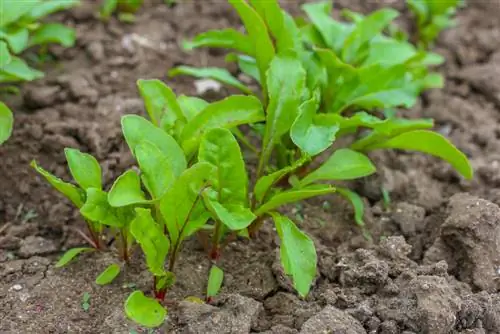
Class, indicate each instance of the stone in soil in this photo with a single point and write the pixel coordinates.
(332, 320)
(470, 241)
(235, 316)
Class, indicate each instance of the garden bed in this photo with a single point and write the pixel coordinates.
(435, 263)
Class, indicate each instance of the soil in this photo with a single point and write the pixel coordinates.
(434, 265)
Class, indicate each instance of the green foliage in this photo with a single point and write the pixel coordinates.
(312, 76)
(145, 311)
(215, 73)
(108, 275)
(297, 253)
(20, 29)
(70, 255)
(432, 17)
(214, 281)
(320, 82)
(123, 7)
(6, 120)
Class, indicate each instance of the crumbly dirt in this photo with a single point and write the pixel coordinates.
(434, 264)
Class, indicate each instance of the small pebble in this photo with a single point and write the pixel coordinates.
(17, 287)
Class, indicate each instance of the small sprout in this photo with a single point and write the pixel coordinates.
(386, 196)
(86, 301)
(29, 215)
(214, 282)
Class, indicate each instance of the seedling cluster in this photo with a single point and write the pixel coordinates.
(21, 27)
(319, 80)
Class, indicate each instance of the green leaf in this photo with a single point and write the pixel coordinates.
(6, 122)
(84, 168)
(137, 129)
(215, 279)
(431, 143)
(297, 254)
(154, 243)
(259, 36)
(5, 57)
(367, 87)
(286, 80)
(351, 124)
(156, 169)
(225, 38)
(234, 216)
(343, 164)
(246, 64)
(53, 33)
(161, 103)
(71, 254)
(45, 8)
(384, 130)
(389, 52)
(356, 202)
(16, 38)
(147, 312)
(230, 112)
(74, 194)
(310, 136)
(294, 195)
(108, 275)
(218, 74)
(18, 70)
(13, 10)
(191, 105)
(97, 209)
(281, 25)
(181, 207)
(368, 28)
(420, 9)
(265, 183)
(108, 8)
(219, 148)
(126, 190)
(333, 33)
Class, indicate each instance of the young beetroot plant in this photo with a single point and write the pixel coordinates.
(328, 79)
(21, 28)
(432, 17)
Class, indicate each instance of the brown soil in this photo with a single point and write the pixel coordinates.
(435, 263)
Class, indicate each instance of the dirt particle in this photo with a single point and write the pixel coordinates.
(33, 245)
(332, 320)
(95, 50)
(470, 237)
(409, 217)
(437, 304)
(36, 97)
(235, 315)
